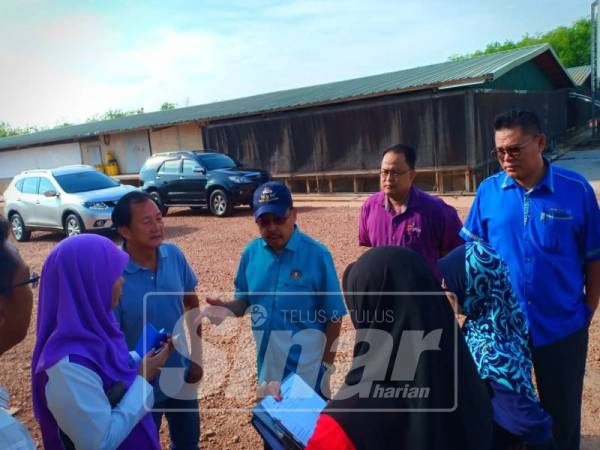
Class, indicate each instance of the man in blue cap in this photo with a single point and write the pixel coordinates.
(287, 281)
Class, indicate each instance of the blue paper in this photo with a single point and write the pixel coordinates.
(149, 339)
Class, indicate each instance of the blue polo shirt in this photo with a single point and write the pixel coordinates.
(174, 275)
(546, 235)
(292, 297)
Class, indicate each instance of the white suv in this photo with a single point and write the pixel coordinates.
(69, 198)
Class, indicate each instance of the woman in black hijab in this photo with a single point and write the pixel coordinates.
(413, 384)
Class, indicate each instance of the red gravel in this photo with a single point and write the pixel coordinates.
(213, 247)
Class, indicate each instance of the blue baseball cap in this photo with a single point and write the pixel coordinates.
(272, 198)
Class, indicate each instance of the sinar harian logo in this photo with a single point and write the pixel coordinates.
(258, 315)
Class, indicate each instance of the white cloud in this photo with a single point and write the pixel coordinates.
(72, 65)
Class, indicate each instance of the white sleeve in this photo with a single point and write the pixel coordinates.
(81, 409)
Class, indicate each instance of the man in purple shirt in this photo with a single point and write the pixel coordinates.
(405, 216)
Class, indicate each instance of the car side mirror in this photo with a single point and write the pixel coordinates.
(51, 194)
(201, 170)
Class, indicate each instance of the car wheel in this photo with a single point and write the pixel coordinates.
(18, 228)
(159, 202)
(219, 203)
(73, 225)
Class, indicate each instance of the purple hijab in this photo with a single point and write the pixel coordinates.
(75, 318)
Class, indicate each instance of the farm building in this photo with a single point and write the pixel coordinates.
(330, 137)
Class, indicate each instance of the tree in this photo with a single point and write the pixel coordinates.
(167, 106)
(6, 130)
(571, 44)
(114, 114)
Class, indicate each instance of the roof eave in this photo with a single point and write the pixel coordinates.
(535, 52)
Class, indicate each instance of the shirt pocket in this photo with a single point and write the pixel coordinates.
(557, 229)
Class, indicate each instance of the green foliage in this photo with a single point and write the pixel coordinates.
(114, 114)
(571, 44)
(6, 130)
(167, 106)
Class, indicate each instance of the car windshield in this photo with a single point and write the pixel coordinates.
(73, 183)
(212, 162)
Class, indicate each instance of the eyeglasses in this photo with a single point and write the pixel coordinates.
(384, 173)
(34, 279)
(264, 222)
(514, 151)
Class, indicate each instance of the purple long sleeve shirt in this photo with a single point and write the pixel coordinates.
(429, 226)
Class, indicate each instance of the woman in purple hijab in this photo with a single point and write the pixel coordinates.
(86, 391)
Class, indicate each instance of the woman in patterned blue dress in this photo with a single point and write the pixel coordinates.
(497, 335)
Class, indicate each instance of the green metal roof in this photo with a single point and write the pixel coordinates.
(580, 74)
(448, 74)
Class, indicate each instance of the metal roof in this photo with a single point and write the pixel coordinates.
(472, 71)
(580, 74)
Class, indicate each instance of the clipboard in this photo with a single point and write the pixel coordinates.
(273, 433)
(277, 422)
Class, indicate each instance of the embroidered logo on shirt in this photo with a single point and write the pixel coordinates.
(295, 275)
(412, 230)
(267, 195)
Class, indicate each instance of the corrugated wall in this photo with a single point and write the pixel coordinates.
(448, 129)
(347, 137)
(551, 108)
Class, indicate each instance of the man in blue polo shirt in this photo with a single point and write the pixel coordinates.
(545, 223)
(288, 282)
(156, 266)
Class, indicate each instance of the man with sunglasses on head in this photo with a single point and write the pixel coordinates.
(16, 301)
(288, 283)
(405, 216)
(545, 223)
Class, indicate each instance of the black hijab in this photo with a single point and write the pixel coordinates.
(391, 290)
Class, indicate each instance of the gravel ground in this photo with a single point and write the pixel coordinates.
(213, 247)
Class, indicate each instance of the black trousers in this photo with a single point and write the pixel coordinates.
(559, 370)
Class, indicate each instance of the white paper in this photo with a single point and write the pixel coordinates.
(299, 410)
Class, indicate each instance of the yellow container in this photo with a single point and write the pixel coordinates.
(111, 167)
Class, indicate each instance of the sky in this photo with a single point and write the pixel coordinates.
(68, 60)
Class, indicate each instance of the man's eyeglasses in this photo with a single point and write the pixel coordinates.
(514, 151)
(392, 173)
(264, 222)
(34, 279)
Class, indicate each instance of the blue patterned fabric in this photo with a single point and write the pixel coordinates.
(495, 329)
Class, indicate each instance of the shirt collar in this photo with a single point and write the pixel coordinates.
(546, 182)
(292, 243)
(413, 201)
(133, 267)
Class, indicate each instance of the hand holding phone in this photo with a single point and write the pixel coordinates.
(155, 360)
